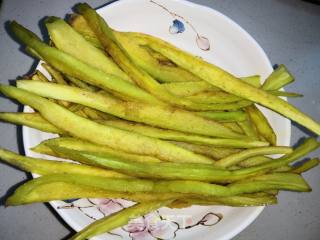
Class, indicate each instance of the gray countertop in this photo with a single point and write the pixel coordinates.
(288, 31)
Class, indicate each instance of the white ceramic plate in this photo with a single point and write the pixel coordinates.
(194, 28)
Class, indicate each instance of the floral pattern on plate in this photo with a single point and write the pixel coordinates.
(178, 27)
(152, 226)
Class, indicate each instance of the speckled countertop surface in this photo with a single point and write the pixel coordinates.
(288, 31)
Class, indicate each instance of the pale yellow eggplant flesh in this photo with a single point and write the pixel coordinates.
(68, 40)
(69, 65)
(212, 152)
(262, 125)
(120, 56)
(238, 157)
(48, 167)
(101, 134)
(80, 145)
(33, 120)
(229, 83)
(171, 135)
(248, 128)
(161, 116)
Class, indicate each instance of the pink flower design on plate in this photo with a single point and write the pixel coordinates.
(151, 226)
(148, 227)
(107, 206)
